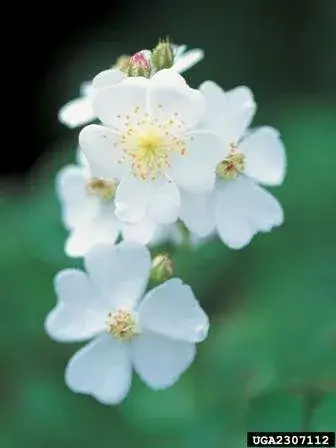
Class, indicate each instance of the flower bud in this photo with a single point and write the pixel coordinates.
(139, 65)
(162, 268)
(163, 55)
(122, 63)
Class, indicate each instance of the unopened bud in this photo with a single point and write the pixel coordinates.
(139, 65)
(122, 63)
(162, 268)
(163, 55)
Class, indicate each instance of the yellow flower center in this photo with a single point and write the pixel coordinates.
(122, 325)
(233, 165)
(148, 144)
(103, 189)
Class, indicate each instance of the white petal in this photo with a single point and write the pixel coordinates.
(196, 241)
(229, 113)
(172, 310)
(197, 213)
(195, 171)
(164, 203)
(77, 244)
(81, 160)
(101, 369)
(108, 78)
(185, 61)
(170, 98)
(80, 311)
(117, 105)
(265, 156)
(175, 234)
(99, 145)
(241, 109)
(71, 190)
(102, 228)
(77, 112)
(120, 272)
(244, 209)
(136, 198)
(132, 198)
(87, 89)
(160, 361)
(169, 78)
(141, 232)
(167, 233)
(178, 50)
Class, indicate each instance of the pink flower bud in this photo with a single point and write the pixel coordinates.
(139, 65)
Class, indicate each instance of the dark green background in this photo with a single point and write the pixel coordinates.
(269, 362)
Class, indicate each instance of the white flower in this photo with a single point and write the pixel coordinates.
(155, 335)
(79, 111)
(238, 207)
(88, 212)
(150, 142)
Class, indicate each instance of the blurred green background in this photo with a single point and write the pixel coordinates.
(269, 363)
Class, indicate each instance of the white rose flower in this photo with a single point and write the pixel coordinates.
(150, 141)
(155, 335)
(79, 111)
(88, 212)
(238, 207)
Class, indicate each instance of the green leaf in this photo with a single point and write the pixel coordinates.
(275, 411)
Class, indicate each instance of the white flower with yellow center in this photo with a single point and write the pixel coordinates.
(79, 111)
(238, 207)
(155, 335)
(151, 143)
(88, 212)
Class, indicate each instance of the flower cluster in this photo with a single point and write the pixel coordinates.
(166, 161)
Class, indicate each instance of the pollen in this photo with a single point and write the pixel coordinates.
(233, 165)
(103, 189)
(148, 144)
(122, 325)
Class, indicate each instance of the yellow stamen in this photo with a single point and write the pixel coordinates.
(122, 325)
(233, 165)
(148, 143)
(103, 189)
